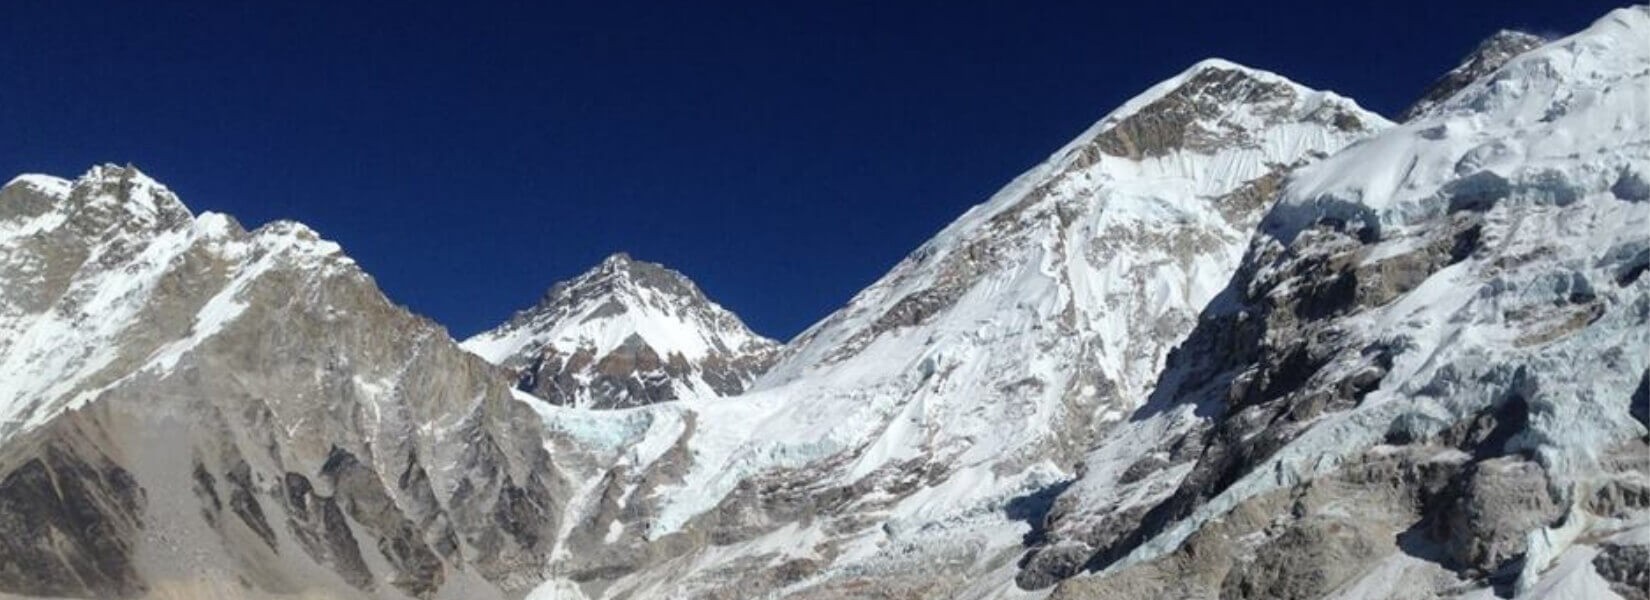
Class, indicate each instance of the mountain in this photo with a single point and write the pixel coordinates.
(194, 410)
(1489, 56)
(626, 333)
(1239, 339)
(1427, 377)
(881, 449)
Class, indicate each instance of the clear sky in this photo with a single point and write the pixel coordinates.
(782, 154)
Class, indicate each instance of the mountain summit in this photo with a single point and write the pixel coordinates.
(1490, 54)
(626, 333)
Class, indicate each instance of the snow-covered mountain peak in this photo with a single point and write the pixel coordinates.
(132, 193)
(1514, 131)
(112, 210)
(106, 202)
(618, 264)
(56, 187)
(234, 396)
(1213, 105)
(102, 269)
(629, 280)
(991, 356)
(1488, 56)
(1504, 43)
(616, 260)
(1499, 48)
(626, 332)
(1191, 159)
(1460, 296)
(1216, 76)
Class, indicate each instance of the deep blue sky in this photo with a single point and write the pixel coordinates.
(782, 154)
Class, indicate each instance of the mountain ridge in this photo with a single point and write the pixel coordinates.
(1240, 338)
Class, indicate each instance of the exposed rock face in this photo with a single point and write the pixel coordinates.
(1301, 541)
(69, 525)
(1397, 300)
(1499, 503)
(1490, 54)
(190, 405)
(627, 333)
(1193, 116)
(1627, 568)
